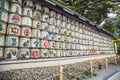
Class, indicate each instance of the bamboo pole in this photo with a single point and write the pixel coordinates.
(91, 67)
(106, 63)
(61, 73)
(116, 60)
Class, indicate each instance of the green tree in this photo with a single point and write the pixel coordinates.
(95, 10)
(110, 26)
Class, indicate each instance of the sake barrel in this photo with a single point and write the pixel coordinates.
(45, 17)
(72, 27)
(2, 28)
(2, 39)
(52, 36)
(69, 39)
(74, 46)
(59, 23)
(64, 31)
(64, 25)
(77, 46)
(3, 15)
(65, 53)
(68, 20)
(52, 28)
(58, 45)
(35, 53)
(69, 33)
(64, 45)
(36, 33)
(51, 44)
(67, 46)
(52, 14)
(44, 44)
(58, 53)
(45, 10)
(37, 24)
(59, 16)
(64, 18)
(74, 40)
(1, 53)
(75, 53)
(28, 3)
(45, 35)
(12, 41)
(52, 21)
(24, 42)
(13, 30)
(58, 37)
(79, 52)
(58, 30)
(45, 26)
(37, 7)
(26, 32)
(76, 23)
(24, 53)
(64, 38)
(70, 53)
(73, 22)
(4, 4)
(44, 53)
(77, 35)
(27, 11)
(73, 34)
(16, 8)
(37, 15)
(16, 1)
(52, 53)
(70, 46)
(26, 21)
(11, 53)
(15, 19)
(76, 29)
(68, 26)
(35, 43)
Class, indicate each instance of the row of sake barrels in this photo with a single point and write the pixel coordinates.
(17, 9)
(12, 41)
(22, 53)
(37, 43)
(26, 11)
(15, 30)
(37, 25)
(27, 22)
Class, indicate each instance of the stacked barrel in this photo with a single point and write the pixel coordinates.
(29, 30)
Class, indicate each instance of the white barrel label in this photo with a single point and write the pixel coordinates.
(24, 42)
(2, 27)
(11, 53)
(24, 53)
(13, 30)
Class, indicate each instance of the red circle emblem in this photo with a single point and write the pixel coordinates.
(45, 44)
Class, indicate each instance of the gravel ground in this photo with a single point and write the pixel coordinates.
(43, 73)
(105, 73)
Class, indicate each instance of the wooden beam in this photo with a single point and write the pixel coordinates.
(91, 67)
(61, 73)
(116, 60)
(106, 63)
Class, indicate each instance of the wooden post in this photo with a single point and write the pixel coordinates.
(116, 60)
(61, 73)
(91, 67)
(106, 63)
